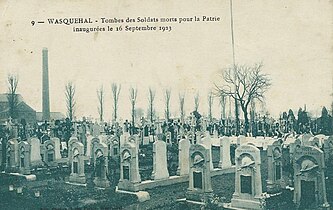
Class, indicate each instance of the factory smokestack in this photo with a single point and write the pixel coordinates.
(45, 96)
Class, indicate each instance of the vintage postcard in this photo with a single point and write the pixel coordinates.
(131, 104)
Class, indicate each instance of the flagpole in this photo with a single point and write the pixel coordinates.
(234, 66)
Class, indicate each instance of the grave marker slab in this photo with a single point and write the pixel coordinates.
(309, 178)
(24, 157)
(160, 167)
(76, 156)
(129, 167)
(248, 186)
(101, 165)
(183, 149)
(225, 161)
(274, 161)
(200, 188)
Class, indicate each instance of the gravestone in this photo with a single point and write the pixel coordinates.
(215, 134)
(57, 148)
(190, 137)
(88, 147)
(274, 161)
(49, 155)
(198, 137)
(129, 167)
(100, 151)
(24, 157)
(292, 147)
(241, 140)
(96, 130)
(145, 140)
(113, 147)
(225, 161)
(71, 141)
(124, 138)
(12, 155)
(328, 148)
(183, 150)
(309, 178)
(305, 138)
(248, 186)
(200, 188)
(76, 157)
(151, 138)
(160, 167)
(208, 143)
(36, 158)
(94, 141)
(134, 139)
(103, 138)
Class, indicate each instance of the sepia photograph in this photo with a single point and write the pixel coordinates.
(131, 104)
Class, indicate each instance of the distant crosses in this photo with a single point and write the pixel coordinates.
(151, 98)
(133, 97)
(182, 107)
(12, 95)
(196, 102)
(115, 88)
(70, 99)
(167, 98)
(100, 97)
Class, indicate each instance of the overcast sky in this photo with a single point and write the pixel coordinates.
(293, 39)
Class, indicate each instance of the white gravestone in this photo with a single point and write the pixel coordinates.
(36, 158)
(208, 143)
(225, 161)
(184, 149)
(160, 168)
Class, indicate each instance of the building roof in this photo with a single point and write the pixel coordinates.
(4, 97)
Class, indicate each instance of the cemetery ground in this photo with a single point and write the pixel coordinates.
(50, 190)
(55, 193)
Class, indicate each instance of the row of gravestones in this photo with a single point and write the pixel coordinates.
(129, 166)
(308, 163)
(309, 157)
(248, 191)
(21, 156)
(98, 149)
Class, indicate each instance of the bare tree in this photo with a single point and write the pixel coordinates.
(70, 99)
(210, 105)
(12, 96)
(244, 83)
(181, 106)
(100, 97)
(133, 96)
(167, 97)
(115, 95)
(151, 98)
(196, 102)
